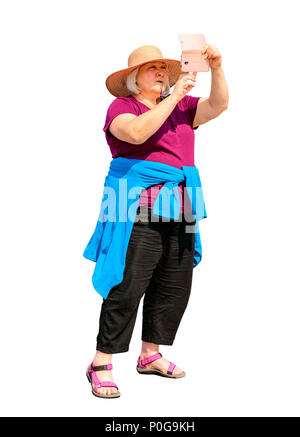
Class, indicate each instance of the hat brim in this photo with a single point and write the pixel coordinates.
(116, 82)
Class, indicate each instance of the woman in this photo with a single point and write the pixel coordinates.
(147, 123)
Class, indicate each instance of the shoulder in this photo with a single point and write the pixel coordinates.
(188, 103)
(120, 105)
(122, 102)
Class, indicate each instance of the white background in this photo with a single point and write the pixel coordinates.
(239, 338)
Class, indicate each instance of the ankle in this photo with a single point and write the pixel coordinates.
(102, 358)
(149, 349)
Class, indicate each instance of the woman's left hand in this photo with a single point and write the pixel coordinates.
(213, 56)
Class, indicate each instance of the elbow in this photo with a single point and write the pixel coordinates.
(133, 134)
(216, 110)
(224, 107)
(139, 133)
(136, 137)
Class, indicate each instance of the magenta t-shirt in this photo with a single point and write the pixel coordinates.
(172, 143)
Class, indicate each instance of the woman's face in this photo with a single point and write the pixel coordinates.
(151, 76)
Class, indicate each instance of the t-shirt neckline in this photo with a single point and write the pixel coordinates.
(140, 102)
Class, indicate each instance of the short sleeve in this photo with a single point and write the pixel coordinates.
(189, 106)
(121, 105)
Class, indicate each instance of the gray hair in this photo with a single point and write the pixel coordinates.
(132, 85)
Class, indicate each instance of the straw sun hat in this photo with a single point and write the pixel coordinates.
(116, 82)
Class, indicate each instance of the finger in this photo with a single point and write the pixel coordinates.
(189, 83)
(211, 54)
(190, 77)
(193, 75)
(187, 76)
(187, 89)
(214, 51)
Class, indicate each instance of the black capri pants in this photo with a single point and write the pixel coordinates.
(159, 266)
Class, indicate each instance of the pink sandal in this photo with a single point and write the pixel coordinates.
(141, 367)
(92, 378)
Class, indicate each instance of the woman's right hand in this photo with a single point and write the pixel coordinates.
(184, 84)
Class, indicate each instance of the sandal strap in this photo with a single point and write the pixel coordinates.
(171, 368)
(103, 367)
(98, 383)
(142, 363)
(108, 384)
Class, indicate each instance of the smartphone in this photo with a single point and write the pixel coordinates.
(191, 56)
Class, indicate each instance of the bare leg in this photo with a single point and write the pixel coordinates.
(104, 375)
(162, 364)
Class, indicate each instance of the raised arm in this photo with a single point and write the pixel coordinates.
(212, 106)
(137, 129)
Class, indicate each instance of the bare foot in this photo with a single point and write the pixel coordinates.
(103, 375)
(161, 364)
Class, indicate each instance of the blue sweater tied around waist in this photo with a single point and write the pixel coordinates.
(125, 181)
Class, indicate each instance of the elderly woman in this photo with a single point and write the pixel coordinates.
(148, 123)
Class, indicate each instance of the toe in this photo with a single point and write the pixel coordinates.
(101, 390)
(97, 390)
(177, 371)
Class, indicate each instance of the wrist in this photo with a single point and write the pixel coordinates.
(174, 98)
(217, 69)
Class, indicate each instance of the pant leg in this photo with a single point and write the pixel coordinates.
(169, 290)
(119, 309)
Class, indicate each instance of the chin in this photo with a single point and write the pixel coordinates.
(158, 89)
